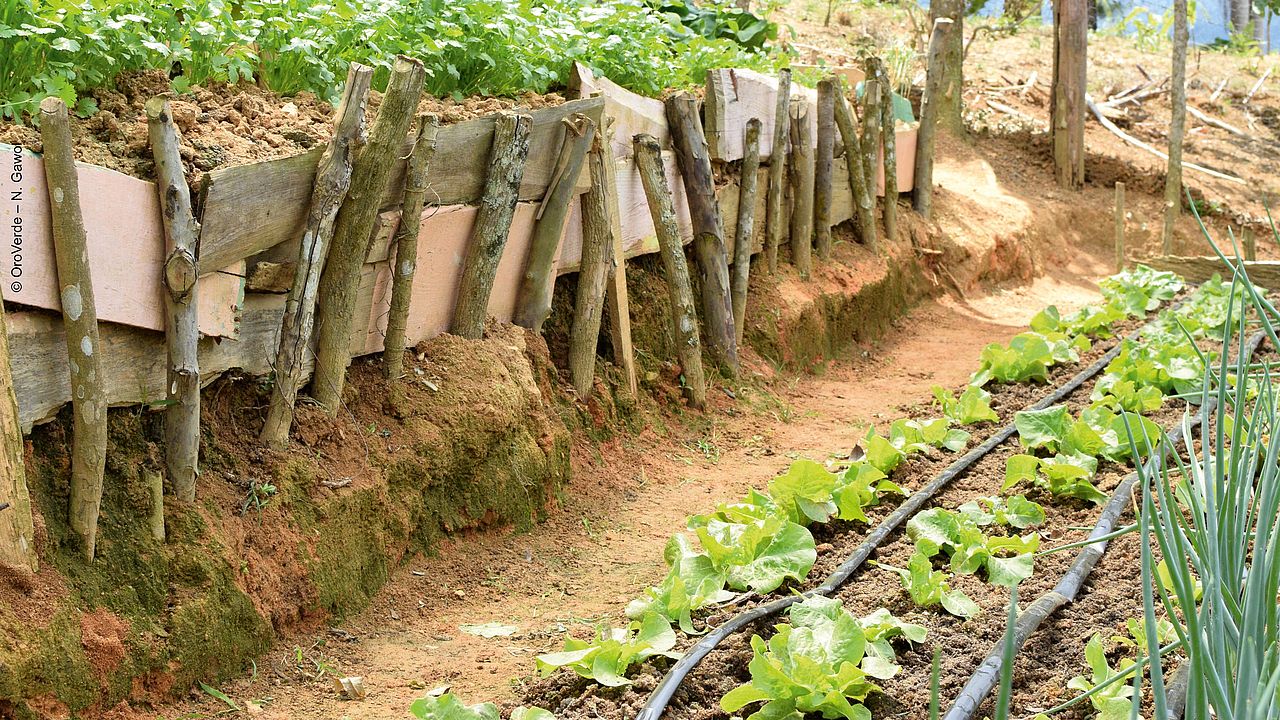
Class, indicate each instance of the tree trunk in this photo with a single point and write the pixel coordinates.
(744, 233)
(353, 231)
(823, 161)
(1241, 11)
(17, 530)
(684, 319)
(888, 130)
(950, 98)
(182, 333)
(926, 139)
(415, 199)
(871, 115)
(1067, 101)
(864, 206)
(694, 161)
(493, 223)
(80, 319)
(802, 171)
(333, 178)
(533, 303)
(593, 272)
(1177, 125)
(777, 170)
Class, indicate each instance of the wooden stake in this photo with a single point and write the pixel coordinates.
(415, 199)
(533, 302)
(1066, 102)
(744, 233)
(888, 132)
(708, 229)
(926, 138)
(823, 163)
(182, 333)
(353, 231)
(802, 181)
(871, 136)
(1250, 245)
(1119, 226)
(17, 530)
(155, 487)
(333, 178)
(617, 299)
(80, 319)
(493, 222)
(863, 205)
(1177, 126)
(684, 320)
(777, 170)
(593, 273)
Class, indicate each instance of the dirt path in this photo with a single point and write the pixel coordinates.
(604, 543)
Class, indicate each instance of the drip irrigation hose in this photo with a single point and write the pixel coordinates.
(661, 696)
(985, 678)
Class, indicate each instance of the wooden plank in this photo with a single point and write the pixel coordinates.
(126, 248)
(735, 96)
(850, 74)
(249, 208)
(1199, 269)
(632, 114)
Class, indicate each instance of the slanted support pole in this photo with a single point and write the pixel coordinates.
(17, 529)
(926, 140)
(333, 178)
(802, 182)
(824, 160)
(617, 298)
(871, 116)
(493, 223)
(863, 202)
(182, 333)
(684, 319)
(80, 320)
(415, 199)
(777, 170)
(593, 273)
(744, 233)
(1067, 100)
(888, 133)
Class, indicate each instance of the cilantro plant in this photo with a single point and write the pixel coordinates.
(607, 658)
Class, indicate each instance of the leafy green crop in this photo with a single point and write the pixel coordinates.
(972, 407)
(928, 587)
(1017, 511)
(447, 706)
(1088, 320)
(1028, 356)
(607, 658)
(1006, 560)
(1114, 702)
(1062, 475)
(1141, 289)
(758, 555)
(907, 437)
(821, 662)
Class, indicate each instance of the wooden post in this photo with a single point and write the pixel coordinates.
(744, 233)
(415, 199)
(922, 195)
(533, 301)
(777, 170)
(822, 166)
(493, 222)
(1067, 99)
(593, 272)
(353, 231)
(864, 206)
(155, 488)
(802, 181)
(1250, 244)
(684, 320)
(80, 319)
(694, 161)
(333, 178)
(888, 131)
(871, 134)
(1177, 126)
(617, 299)
(950, 91)
(1119, 226)
(182, 333)
(17, 529)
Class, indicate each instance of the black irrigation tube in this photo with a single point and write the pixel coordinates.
(661, 696)
(985, 678)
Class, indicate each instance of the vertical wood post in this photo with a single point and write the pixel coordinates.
(17, 529)
(533, 301)
(950, 91)
(353, 232)
(1250, 244)
(863, 204)
(617, 299)
(684, 320)
(802, 181)
(777, 170)
(926, 139)
(1177, 126)
(888, 131)
(415, 199)
(744, 233)
(1119, 226)
(822, 165)
(1067, 102)
(871, 116)
(333, 178)
(593, 273)
(493, 222)
(80, 320)
(694, 160)
(182, 333)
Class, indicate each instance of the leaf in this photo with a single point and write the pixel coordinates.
(1045, 428)
(804, 492)
(1019, 468)
(959, 604)
(216, 693)
(448, 707)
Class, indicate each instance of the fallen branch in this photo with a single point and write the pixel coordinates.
(1145, 146)
(1257, 85)
(1208, 120)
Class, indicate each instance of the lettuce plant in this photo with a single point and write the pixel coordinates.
(607, 658)
(1027, 357)
(1006, 560)
(928, 587)
(1141, 289)
(447, 706)
(972, 407)
(1114, 702)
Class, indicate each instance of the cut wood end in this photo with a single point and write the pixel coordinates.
(406, 63)
(156, 107)
(53, 106)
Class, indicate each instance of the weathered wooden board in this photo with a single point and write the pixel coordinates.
(126, 248)
(850, 74)
(133, 359)
(735, 96)
(632, 113)
(249, 208)
(1198, 269)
